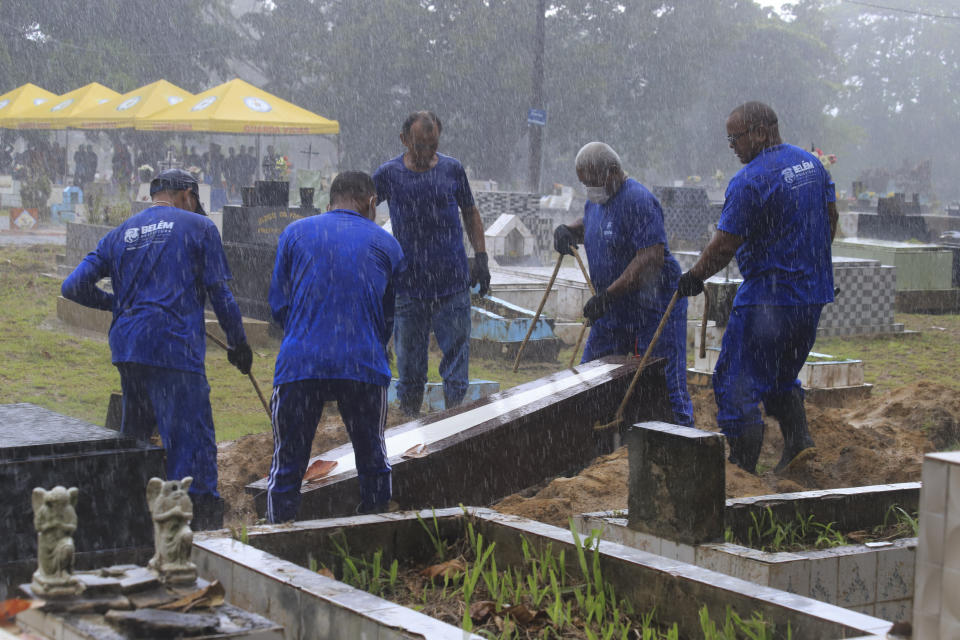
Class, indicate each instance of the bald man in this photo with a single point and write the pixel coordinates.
(778, 219)
(631, 268)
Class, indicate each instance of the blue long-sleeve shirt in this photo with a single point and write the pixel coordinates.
(162, 263)
(332, 290)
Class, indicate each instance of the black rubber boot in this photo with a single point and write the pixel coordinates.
(410, 407)
(207, 512)
(745, 448)
(388, 507)
(797, 443)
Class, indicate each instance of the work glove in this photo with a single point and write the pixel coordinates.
(689, 285)
(480, 273)
(241, 356)
(597, 306)
(564, 239)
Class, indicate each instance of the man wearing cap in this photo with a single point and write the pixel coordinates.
(779, 218)
(162, 263)
(428, 193)
(333, 293)
(632, 269)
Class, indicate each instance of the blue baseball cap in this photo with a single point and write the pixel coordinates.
(177, 180)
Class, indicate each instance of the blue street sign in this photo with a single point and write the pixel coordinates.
(537, 116)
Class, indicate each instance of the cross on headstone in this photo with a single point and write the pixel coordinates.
(310, 153)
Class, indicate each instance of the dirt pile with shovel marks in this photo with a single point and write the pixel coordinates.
(875, 441)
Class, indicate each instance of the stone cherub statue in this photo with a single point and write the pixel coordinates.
(172, 510)
(55, 519)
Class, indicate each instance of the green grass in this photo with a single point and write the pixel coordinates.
(74, 376)
(894, 362)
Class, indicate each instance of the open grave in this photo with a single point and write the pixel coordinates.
(482, 451)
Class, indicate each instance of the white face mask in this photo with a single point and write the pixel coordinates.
(597, 194)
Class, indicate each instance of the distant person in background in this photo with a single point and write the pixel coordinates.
(214, 166)
(246, 167)
(122, 166)
(332, 291)
(90, 167)
(80, 167)
(779, 218)
(428, 194)
(231, 166)
(58, 157)
(192, 159)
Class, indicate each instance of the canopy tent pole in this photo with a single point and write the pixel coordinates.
(66, 153)
(259, 177)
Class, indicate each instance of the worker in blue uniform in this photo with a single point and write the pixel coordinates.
(162, 263)
(779, 218)
(333, 293)
(428, 194)
(632, 271)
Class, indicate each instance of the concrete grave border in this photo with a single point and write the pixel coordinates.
(268, 576)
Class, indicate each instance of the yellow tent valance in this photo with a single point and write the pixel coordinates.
(238, 107)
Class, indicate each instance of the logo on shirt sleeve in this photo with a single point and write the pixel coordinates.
(131, 235)
(787, 175)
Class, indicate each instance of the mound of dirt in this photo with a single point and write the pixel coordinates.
(247, 459)
(878, 441)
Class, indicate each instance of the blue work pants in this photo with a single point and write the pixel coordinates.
(449, 317)
(763, 349)
(672, 346)
(178, 403)
(296, 409)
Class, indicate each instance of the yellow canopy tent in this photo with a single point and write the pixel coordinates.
(55, 116)
(121, 111)
(15, 102)
(238, 107)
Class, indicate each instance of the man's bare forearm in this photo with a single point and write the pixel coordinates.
(717, 254)
(474, 228)
(643, 269)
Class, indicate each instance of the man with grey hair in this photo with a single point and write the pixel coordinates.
(631, 268)
(779, 218)
(428, 195)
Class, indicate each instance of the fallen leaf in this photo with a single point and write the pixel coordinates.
(319, 469)
(210, 596)
(858, 536)
(10, 608)
(481, 610)
(521, 613)
(416, 451)
(444, 568)
(326, 572)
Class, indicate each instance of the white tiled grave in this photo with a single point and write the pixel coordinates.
(874, 579)
(936, 612)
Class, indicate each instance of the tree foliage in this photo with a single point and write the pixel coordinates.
(654, 78)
